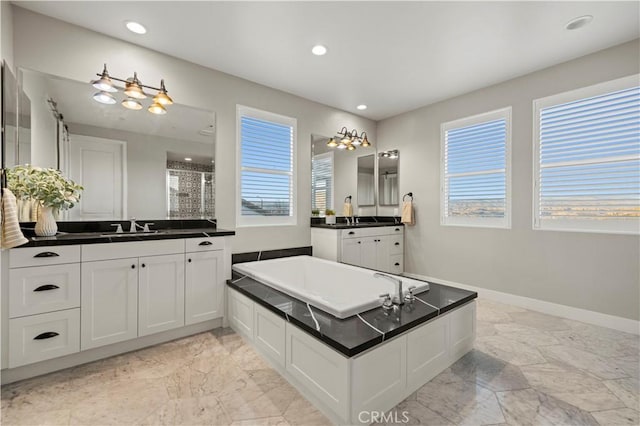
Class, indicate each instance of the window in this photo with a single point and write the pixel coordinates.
(476, 170)
(322, 181)
(266, 168)
(587, 159)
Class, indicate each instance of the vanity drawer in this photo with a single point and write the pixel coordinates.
(396, 244)
(204, 244)
(396, 264)
(107, 251)
(372, 231)
(45, 336)
(41, 289)
(41, 256)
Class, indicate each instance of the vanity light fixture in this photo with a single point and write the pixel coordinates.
(134, 91)
(349, 140)
(393, 155)
(188, 159)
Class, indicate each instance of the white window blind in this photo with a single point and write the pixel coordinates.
(322, 181)
(588, 159)
(266, 157)
(475, 170)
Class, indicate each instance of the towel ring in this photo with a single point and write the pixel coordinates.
(348, 197)
(409, 194)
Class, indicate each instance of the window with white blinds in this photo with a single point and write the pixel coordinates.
(266, 184)
(587, 159)
(322, 181)
(475, 170)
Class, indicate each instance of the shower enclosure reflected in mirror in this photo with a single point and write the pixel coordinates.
(388, 178)
(366, 181)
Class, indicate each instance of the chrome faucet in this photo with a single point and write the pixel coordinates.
(397, 299)
(132, 227)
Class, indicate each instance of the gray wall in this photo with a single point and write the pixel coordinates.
(54, 47)
(598, 272)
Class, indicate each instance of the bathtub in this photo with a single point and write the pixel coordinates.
(339, 289)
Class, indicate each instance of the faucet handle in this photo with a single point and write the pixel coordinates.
(146, 227)
(409, 297)
(387, 303)
(119, 228)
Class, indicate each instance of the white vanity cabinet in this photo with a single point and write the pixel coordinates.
(204, 278)
(380, 248)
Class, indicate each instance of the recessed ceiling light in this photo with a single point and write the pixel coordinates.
(319, 50)
(188, 159)
(136, 27)
(579, 22)
(361, 107)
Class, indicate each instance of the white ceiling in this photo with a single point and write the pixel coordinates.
(392, 56)
(74, 101)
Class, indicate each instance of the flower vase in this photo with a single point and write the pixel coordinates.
(330, 219)
(46, 225)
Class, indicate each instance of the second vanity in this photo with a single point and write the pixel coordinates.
(84, 296)
(374, 245)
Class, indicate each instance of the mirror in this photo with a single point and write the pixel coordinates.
(366, 181)
(131, 163)
(9, 117)
(388, 194)
(334, 176)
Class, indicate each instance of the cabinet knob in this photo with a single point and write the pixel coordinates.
(189, 260)
(359, 242)
(143, 265)
(133, 266)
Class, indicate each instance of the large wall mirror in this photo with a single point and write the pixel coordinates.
(132, 163)
(366, 181)
(388, 162)
(335, 175)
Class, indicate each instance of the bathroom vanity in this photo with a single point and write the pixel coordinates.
(373, 245)
(83, 296)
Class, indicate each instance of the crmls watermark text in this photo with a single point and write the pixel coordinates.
(381, 417)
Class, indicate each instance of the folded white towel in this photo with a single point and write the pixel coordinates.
(347, 210)
(11, 232)
(408, 218)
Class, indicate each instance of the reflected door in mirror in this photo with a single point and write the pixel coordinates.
(388, 192)
(366, 181)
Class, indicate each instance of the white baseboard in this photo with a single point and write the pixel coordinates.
(564, 311)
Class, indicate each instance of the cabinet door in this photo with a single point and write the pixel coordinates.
(383, 243)
(369, 257)
(109, 308)
(204, 286)
(351, 251)
(160, 293)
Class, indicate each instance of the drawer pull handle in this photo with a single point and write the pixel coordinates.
(397, 229)
(205, 243)
(46, 287)
(351, 232)
(46, 335)
(47, 254)
(397, 244)
(396, 264)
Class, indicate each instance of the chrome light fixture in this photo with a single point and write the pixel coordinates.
(134, 91)
(349, 140)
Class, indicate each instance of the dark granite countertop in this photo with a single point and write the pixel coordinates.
(96, 232)
(351, 336)
(357, 225)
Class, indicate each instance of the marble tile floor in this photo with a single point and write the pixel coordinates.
(527, 368)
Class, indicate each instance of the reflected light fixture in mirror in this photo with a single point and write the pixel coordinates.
(349, 140)
(134, 90)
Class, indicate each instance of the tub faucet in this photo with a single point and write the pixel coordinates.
(397, 299)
